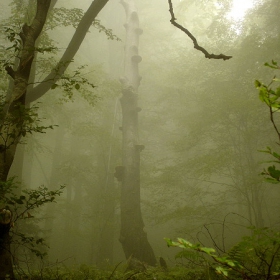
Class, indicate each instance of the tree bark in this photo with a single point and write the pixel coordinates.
(18, 95)
(10, 132)
(29, 35)
(6, 266)
(70, 52)
(132, 236)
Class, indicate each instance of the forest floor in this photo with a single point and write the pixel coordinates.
(85, 272)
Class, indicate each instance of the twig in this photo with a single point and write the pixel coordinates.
(213, 240)
(273, 122)
(115, 268)
(196, 45)
(271, 263)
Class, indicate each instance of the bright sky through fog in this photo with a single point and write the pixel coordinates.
(239, 9)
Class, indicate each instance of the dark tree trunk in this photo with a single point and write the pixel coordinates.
(17, 95)
(6, 266)
(14, 100)
(132, 236)
(21, 75)
(74, 45)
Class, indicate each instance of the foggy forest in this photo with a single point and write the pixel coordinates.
(139, 139)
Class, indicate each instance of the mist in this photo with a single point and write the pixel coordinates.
(141, 138)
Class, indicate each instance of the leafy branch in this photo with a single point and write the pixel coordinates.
(271, 174)
(255, 257)
(29, 200)
(66, 17)
(271, 97)
(19, 123)
(226, 264)
(70, 82)
(19, 207)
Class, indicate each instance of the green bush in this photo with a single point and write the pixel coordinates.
(255, 257)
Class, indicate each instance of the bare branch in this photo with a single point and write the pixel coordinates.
(196, 45)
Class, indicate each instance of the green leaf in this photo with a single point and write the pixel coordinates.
(276, 155)
(231, 263)
(208, 251)
(18, 201)
(271, 180)
(273, 65)
(169, 242)
(222, 270)
(273, 172)
(77, 86)
(184, 243)
(54, 86)
(257, 84)
(277, 92)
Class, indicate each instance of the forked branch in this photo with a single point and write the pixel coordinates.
(196, 45)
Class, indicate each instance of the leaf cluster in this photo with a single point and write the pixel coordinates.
(108, 32)
(11, 49)
(35, 245)
(267, 94)
(65, 17)
(21, 207)
(272, 174)
(12, 34)
(222, 264)
(75, 81)
(271, 97)
(72, 17)
(254, 257)
(28, 200)
(20, 122)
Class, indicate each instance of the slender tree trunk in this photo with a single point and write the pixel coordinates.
(132, 236)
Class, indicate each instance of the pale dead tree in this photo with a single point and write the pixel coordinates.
(132, 236)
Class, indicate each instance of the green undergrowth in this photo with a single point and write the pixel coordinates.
(84, 272)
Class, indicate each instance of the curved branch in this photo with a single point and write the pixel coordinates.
(70, 52)
(196, 45)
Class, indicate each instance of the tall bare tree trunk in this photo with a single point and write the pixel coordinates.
(132, 236)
